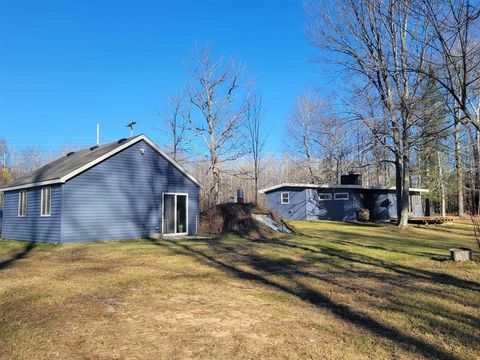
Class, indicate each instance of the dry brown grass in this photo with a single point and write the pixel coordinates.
(335, 291)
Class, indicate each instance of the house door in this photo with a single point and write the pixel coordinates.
(175, 214)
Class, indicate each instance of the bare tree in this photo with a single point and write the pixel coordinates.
(31, 158)
(175, 115)
(454, 43)
(375, 41)
(454, 46)
(6, 175)
(256, 138)
(3, 152)
(332, 138)
(219, 96)
(301, 130)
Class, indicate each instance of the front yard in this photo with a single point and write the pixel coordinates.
(336, 291)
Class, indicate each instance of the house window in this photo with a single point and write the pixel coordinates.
(325, 196)
(46, 201)
(341, 196)
(284, 197)
(22, 203)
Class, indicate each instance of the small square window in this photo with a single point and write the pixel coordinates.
(341, 196)
(285, 197)
(325, 196)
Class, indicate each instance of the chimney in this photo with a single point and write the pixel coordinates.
(239, 196)
(351, 179)
(98, 134)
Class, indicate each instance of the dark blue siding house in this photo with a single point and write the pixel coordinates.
(337, 202)
(122, 190)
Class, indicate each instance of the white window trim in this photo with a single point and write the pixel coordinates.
(342, 193)
(163, 214)
(288, 198)
(325, 194)
(41, 202)
(20, 205)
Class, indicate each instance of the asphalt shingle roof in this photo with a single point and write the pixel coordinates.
(68, 163)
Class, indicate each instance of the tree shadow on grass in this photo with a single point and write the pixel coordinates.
(18, 256)
(442, 278)
(381, 248)
(391, 239)
(261, 269)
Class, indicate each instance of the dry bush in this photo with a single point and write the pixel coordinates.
(230, 217)
(276, 217)
(363, 215)
(211, 221)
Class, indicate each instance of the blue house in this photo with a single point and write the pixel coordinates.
(337, 202)
(122, 190)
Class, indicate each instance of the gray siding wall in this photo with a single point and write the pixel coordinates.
(121, 198)
(295, 209)
(32, 227)
(342, 210)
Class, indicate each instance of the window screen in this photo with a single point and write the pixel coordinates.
(22, 203)
(46, 201)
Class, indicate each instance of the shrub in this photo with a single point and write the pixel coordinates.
(211, 221)
(363, 215)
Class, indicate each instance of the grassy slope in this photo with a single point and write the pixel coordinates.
(334, 291)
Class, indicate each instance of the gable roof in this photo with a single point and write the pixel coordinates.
(72, 164)
(330, 186)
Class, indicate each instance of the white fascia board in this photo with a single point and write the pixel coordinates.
(24, 186)
(339, 186)
(419, 190)
(274, 187)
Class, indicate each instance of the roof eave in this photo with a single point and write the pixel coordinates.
(328, 186)
(30, 185)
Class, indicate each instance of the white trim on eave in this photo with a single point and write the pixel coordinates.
(127, 144)
(337, 186)
(26, 186)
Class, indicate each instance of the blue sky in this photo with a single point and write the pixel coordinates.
(66, 65)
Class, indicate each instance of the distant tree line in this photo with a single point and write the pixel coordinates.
(15, 162)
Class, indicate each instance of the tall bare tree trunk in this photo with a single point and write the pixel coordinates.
(398, 185)
(256, 184)
(215, 189)
(477, 169)
(403, 222)
(306, 149)
(459, 169)
(442, 185)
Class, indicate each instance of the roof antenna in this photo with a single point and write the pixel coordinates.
(132, 126)
(98, 134)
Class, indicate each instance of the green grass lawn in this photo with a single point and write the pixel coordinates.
(333, 290)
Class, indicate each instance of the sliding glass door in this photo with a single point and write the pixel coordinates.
(175, 213)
